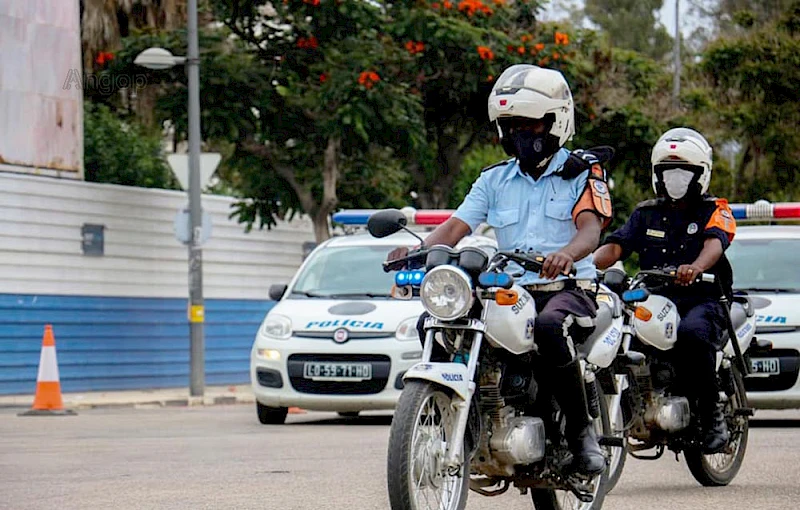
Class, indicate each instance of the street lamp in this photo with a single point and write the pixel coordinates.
(159, 59)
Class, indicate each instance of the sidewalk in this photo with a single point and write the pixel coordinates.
(213, 395)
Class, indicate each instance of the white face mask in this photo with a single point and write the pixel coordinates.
(677, 182)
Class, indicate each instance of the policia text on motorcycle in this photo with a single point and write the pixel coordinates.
(547, 199)
(687, 228)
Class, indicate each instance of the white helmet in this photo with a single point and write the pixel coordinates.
(526, 90)
(685, 149)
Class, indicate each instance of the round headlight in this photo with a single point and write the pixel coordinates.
(446, 293)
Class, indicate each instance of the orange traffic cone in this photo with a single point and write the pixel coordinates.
(48, 387)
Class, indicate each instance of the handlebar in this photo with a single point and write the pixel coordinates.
(671, 273)
(531, 261)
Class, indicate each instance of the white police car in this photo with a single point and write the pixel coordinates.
(765, 265)
(336, 340)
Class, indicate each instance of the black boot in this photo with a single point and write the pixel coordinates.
(568, 388)
(715, 430)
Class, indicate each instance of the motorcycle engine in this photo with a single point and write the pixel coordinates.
(669, 414)
(520, 441)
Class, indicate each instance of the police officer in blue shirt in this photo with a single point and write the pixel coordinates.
(549, 200)
(687, 228)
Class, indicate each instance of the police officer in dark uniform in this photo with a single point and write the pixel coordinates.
(687, 228)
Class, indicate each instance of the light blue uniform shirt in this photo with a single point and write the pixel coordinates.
(527, 213)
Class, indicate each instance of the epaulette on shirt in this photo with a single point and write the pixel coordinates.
(499, 163)
(653, 202)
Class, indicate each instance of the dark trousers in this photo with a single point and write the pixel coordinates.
(699, 339)
(564, 319)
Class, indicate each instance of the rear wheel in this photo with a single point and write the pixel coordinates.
(422, 429)
(721, 468)
(550, 499)
(271, 415)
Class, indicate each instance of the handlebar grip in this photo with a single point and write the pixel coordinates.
(394, 265)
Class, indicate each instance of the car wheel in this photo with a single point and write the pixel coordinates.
(271, 415)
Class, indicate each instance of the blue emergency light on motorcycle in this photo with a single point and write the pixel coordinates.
(501, 280)
(402, 278)
(635, 295)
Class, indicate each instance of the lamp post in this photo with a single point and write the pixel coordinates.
(159, 58)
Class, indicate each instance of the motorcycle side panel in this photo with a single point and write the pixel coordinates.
(744, 335)
(449, 375)
(661, 329)
(605, 348)
(511, 326)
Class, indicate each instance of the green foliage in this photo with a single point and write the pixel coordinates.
(631, 24)
(122, 152)
(479, 158)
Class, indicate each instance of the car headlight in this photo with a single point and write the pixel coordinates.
(446, 293)
(277, 326)
(407, 330)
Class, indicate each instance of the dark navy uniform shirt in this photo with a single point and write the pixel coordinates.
(664, 235)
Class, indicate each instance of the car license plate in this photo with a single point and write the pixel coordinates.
(333, 371)
(767, 366)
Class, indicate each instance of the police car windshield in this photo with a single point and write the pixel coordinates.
(769, 265)
(346, 272)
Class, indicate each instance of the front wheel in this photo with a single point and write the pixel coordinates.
(271, 415)
(720, 469)
(422, 428)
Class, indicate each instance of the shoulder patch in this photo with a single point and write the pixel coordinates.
(596, 197)
(722, 218)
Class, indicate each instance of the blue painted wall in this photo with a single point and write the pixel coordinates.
(106, 343)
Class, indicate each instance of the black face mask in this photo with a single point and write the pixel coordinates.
(533, 149)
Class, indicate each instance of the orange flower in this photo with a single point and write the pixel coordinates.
(473, 6)
(561, 38)
(490, 78)
(510, 48)
(435, 5)
(539, 46)
(104, 57)
(556, 56)
(526, 38)
(312, 2)
(415, 47)
(448, 5)
(310, 43)
(485, 53)
(323, 78)
(521, 50)
(544, 61)
(368, 79)
(499, 2)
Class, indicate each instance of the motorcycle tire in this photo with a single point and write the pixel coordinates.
(618, 455)
(550, 499)
(403, 459)
(703, 467)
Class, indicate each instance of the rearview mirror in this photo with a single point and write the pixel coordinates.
(276, 291)
(386, 222)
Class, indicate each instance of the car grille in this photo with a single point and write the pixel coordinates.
(352, 335)
(789, 360)
(381, 366)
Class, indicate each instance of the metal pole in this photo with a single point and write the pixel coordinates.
(196, 307)
(676, 80)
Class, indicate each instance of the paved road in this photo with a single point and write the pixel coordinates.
(221, 458)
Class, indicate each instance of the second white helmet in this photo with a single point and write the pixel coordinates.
(682, 149)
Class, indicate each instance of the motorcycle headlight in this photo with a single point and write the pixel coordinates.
(446, 293)
(277, 326)
(407, 330)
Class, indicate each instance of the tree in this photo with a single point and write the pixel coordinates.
(122, 152)
(631, 24)
(753, 93)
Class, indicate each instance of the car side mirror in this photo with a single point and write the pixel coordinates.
(277, 291)
(386, 222)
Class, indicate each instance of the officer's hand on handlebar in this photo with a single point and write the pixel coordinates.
(397, 253)
(688, 274)
(558, 263)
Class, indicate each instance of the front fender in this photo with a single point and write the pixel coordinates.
(449, 375)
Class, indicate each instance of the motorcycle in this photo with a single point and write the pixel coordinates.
(642, 387)
(485, 420)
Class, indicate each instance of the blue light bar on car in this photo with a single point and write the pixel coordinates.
(766, 210)
(414, 216)
(408, 278)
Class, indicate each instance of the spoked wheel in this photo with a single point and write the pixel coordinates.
(617, 455)
(550, 499)
(422, 428)
(720, 469)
